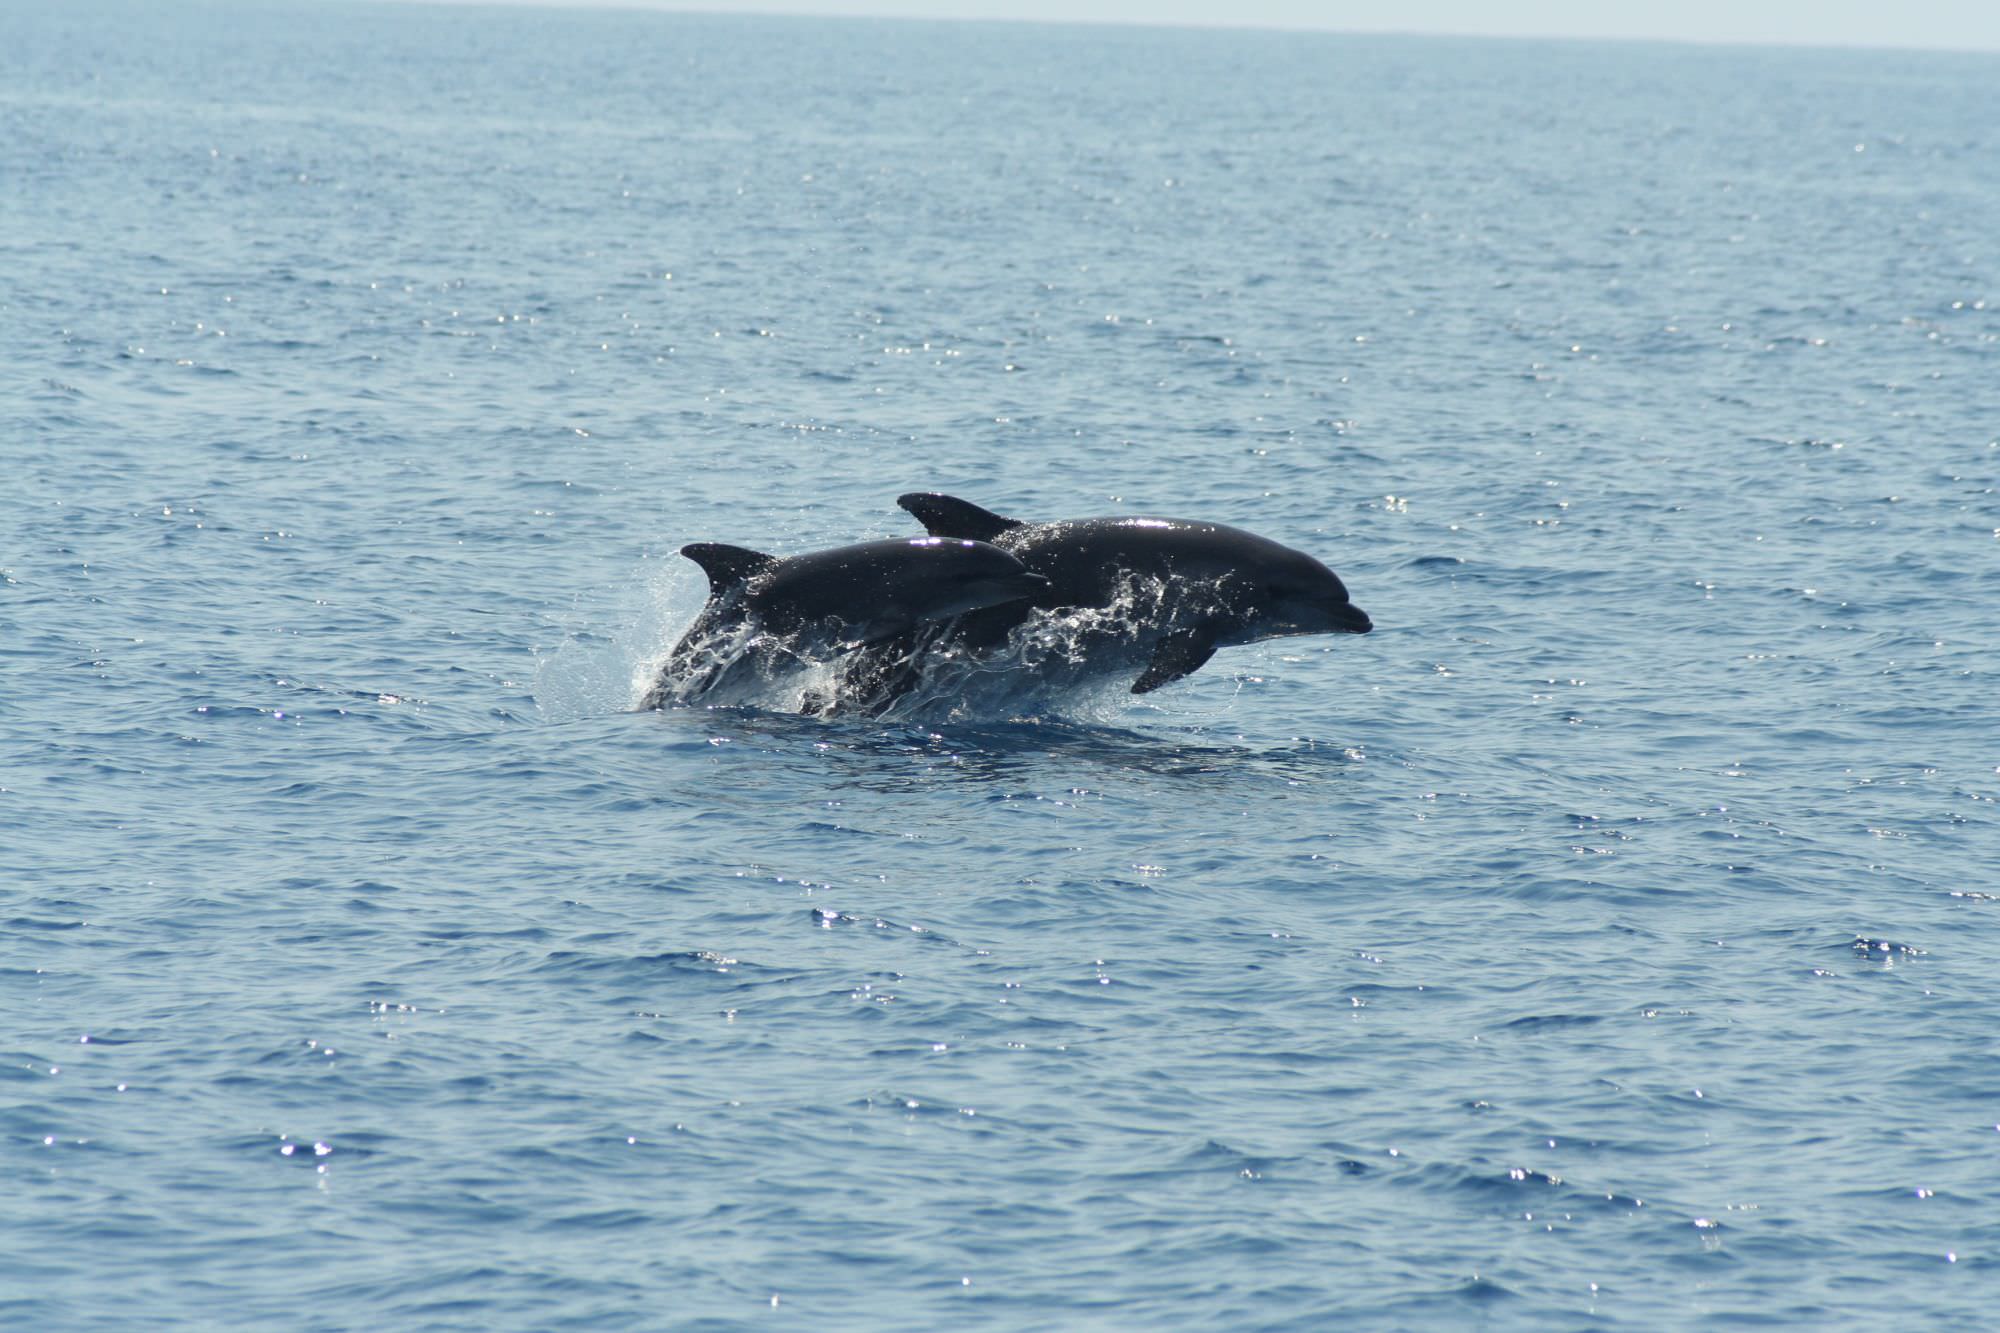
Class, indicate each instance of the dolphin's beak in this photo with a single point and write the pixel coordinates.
(1022, 585)
(1318, 615)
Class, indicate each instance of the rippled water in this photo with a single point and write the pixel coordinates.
(1608, 940)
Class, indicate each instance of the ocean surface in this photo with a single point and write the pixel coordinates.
(1609, 940)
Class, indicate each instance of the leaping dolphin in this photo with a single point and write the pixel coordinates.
(1176, 589)
(767, 616)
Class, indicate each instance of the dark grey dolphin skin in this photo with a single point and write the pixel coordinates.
(765, 615)
(1200, 586)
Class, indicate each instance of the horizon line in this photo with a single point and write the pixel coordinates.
(865, 13)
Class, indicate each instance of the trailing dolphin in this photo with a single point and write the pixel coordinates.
(768, 618)
(1158, 595)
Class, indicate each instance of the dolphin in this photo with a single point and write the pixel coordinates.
(1161, 594)
(767, 616)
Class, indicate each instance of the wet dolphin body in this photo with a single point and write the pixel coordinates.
(1175, 589)
(766, 617)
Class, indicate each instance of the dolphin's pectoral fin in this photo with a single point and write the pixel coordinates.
(949, 516)
(726, 565)
(1181, 653)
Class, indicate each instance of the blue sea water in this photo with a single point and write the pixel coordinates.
(1610, 940)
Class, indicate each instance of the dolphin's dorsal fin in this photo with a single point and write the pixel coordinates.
(1181, 653)
(726, 565)
(949, 516)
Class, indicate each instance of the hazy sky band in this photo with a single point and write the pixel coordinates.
(1941, 24)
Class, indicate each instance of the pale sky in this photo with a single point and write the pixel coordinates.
(1945, 24)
